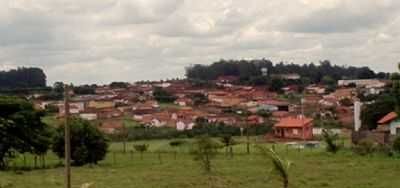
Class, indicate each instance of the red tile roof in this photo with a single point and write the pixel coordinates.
(291, 122)
(274, 102)
(280, 113)
(388, 118)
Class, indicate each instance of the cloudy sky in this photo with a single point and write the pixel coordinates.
(98, 41)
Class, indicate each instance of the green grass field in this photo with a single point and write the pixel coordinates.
(312, 168)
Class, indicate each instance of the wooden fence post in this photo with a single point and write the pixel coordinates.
(159, 157)
(24, 161)
(35, 161)
(114, 158)
(131, 154)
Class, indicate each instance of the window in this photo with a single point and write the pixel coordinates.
(295, 132)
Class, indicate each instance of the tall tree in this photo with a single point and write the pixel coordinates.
(88, 144)
(21, 129)
(22, 78)
(249, 71)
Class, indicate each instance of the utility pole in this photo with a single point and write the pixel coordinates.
(67, 139)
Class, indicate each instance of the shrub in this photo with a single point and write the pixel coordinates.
(177, 143)
(396, 145)
(365, 147)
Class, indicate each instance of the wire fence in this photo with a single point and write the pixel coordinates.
(130, 157)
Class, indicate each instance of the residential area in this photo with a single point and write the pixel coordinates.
(289, 112)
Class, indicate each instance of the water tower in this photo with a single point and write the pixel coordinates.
(264, 71)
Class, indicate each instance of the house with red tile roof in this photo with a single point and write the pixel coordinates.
(279, 114)
(294, 128)
(390, 123)
(255, 120)
(279, 105)
(111, 126)
(183, 101)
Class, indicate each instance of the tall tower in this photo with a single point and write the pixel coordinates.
(357, 115)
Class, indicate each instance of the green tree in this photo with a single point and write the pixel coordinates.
(373, 112)
(88, 144)
(22, 78)
(280, 166)
(204, 150)
(21, 129)
(328, 80)
(276, 85)
(119, 84)
(163, 96)
(346, 102)
(199, 99)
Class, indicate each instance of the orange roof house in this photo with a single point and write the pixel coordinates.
(111, 126)
(294, 128)
(389, 117)
(390, 123)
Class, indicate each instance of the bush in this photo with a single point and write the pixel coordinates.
(365, 147)
(396, 145)
(88, 144)
(177, 143)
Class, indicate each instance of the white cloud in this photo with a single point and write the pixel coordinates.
(96, 41)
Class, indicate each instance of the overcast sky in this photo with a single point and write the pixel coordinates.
(99, 41)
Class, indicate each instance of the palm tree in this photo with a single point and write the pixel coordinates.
(280, 166)
(330, 139)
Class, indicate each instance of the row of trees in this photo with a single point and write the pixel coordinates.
(250, 71)
(22, 78)
(22, 131)
(213, 129)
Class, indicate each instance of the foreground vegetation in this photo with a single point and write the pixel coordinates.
(161, 168)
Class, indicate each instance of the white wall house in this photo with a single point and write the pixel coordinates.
(181, 125)
(88, 116)
(390, 123)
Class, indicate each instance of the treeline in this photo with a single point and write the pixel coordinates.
(22, 78)
(250, 71)
(215, 130)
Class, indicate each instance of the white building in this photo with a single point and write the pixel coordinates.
(367, 83)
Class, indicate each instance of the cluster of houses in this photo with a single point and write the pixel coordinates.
(231, 104)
